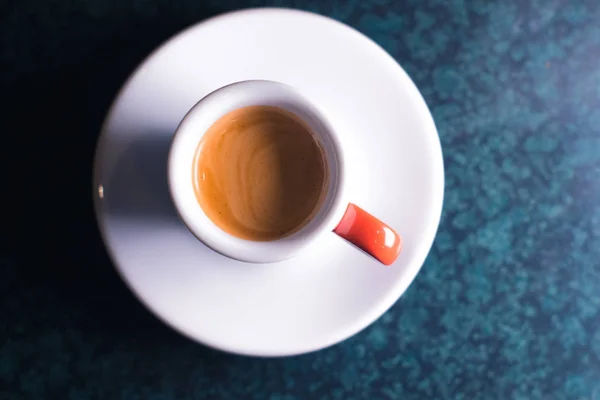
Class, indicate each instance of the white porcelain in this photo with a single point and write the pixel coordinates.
(321, 296)
(190, 132)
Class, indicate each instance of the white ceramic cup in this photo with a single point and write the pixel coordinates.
(335, 212)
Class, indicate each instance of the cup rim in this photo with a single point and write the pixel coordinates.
(193, 127)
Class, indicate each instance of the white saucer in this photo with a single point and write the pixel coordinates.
(325, 295)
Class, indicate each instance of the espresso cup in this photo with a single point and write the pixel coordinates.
(336, 214)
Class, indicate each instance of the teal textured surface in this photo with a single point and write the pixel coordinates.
(507, 305)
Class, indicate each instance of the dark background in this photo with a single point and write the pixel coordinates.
(507, 304)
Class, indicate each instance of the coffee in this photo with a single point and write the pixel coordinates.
(259, 174)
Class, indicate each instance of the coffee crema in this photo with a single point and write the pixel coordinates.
(259, 174)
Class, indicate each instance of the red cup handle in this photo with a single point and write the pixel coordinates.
(369, 234)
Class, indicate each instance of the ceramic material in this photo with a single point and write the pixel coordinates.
(320, 297)
(360, 228)
(181, 158)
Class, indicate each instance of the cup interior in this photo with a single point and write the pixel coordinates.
(181, 164)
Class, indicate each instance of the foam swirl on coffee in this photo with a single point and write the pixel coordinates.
(259, 174)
